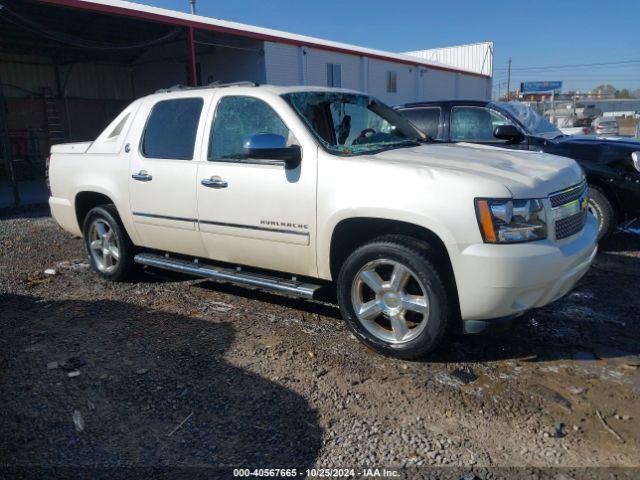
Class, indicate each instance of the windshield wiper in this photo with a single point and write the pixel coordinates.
(403, 144)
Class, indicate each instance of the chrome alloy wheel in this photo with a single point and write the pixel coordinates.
(103, 246)
(390, 301)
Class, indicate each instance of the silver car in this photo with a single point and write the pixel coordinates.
(605, 126)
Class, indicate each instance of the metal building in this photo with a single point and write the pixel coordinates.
(68, 66)
(474, 57)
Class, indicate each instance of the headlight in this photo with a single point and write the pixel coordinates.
(511, 221)
(635, 156)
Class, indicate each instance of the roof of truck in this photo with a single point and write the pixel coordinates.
(277, 89)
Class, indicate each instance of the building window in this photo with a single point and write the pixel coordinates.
(334, 75)
(392, 81)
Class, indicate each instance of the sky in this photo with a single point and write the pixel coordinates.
(537, 33)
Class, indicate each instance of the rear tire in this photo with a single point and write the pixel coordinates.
(392, 297)
(110, 249)
(601, 208)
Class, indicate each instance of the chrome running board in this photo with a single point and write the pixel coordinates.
(239, 277)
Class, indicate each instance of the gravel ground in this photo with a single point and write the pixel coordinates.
(170, 371)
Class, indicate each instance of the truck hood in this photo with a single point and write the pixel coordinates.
(525, 173)
(612, 141)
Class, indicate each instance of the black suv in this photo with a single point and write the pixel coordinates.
(612, 166)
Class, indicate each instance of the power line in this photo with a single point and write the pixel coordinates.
(589, 75)
(509, 80)
(575, 65)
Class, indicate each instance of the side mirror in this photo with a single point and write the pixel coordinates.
(509, 133)
(268, 146)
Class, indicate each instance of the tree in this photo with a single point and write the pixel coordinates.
(605, 91)
(624, 93)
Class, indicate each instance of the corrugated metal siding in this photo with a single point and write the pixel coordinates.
(476, 57)
(232, 65)
(438, 85)
(98, 81)
(282, 64)
(150, 77)
(213, 24)
(407, 88)
(473, 88)
(26, 75)
(287, 65)
(317, 61)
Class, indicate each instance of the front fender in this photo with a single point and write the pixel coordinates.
(324, 240)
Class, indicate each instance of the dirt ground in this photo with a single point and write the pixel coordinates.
(170, 371)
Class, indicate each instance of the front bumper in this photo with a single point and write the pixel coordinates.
(496, 281)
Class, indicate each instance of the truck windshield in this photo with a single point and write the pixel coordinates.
(353, 124)
(532, 121)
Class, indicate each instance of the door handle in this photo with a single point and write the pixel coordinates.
(214, 182)
(142, 176)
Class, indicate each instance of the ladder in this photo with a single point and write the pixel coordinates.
(54, 128)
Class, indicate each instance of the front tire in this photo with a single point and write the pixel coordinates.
(110, 249)
(392, 297)
(601, 208)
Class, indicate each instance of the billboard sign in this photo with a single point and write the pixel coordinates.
(540, 87)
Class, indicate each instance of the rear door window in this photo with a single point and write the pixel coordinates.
(171, 129)
(427, 119)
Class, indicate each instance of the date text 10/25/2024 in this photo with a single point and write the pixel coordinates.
(317, 473)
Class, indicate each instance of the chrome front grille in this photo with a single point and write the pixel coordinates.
(569, 210)
(565, 227)
(569, 195)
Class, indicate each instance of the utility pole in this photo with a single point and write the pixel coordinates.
(509, 81)
(193, 6)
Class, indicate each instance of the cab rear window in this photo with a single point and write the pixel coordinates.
(171, 129)
(427, 119)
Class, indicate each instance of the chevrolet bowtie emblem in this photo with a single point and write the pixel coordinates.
(583, 203)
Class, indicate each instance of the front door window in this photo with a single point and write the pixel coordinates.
(475, 124)
(237, 119)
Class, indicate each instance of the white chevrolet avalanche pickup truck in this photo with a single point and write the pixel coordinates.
(293, 188)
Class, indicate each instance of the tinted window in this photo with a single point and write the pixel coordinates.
(171, 129)
(426, 119)
(475, 124)
(238, 118)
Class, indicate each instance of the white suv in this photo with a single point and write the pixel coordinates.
(291, 188)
